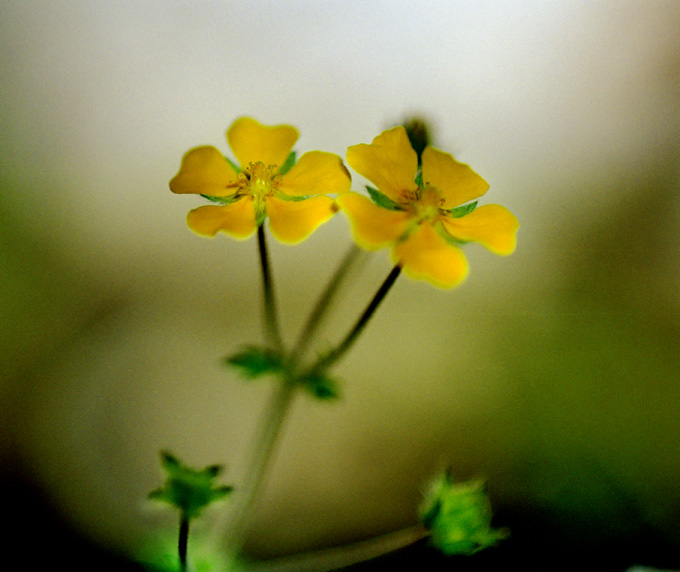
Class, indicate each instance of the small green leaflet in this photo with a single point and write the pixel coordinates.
(382, 200)
(320, 386)
(254, 362)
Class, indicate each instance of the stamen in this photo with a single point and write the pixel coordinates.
(259, 180)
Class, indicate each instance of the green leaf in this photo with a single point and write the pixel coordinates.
(288, 163)
(320, 386)
(382, 200)
(187, 489)
(458, 516)
(463, 210)
(254, 362)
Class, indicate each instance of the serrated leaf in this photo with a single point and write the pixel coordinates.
(288, 163)
(382, 200)
(462, 210)
(254, 362)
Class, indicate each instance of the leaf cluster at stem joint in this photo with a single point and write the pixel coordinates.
(254, 362)
(189, 490)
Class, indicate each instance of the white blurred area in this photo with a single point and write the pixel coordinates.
(116, 314)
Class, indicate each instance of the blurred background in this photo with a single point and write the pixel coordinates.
(553, 373)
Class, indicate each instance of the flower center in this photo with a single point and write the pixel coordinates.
(427, 204)
(258, 180)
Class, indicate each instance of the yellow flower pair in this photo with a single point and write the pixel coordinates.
(422, 215)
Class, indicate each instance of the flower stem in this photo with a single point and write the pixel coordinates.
(323, 304)
(271, 318)
(183, 541)
(341, 349)
(344, 556)
(232, 532)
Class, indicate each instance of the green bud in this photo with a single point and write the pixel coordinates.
(418, 134)
(458, 516)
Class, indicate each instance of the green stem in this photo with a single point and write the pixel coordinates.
(232, 531)
(344, 556)
(183, 541)
(271, 319)
(341, 349)
(324, 303)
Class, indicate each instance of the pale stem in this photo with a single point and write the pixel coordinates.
(343, 556)
(324, 303)
(233, 530)
(341, 349)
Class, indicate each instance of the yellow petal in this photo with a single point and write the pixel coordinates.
(293, 221)
(390, 162)
(236, 219)
(457, 182)
(316, 173)
(425, 255)
(252, 142)
(204, 171)
(373, 226)
(493, 226)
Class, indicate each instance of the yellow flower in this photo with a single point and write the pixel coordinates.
(265, 186)
(423, 216)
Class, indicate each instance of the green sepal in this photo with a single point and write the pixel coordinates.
(294, 198)
(260, 216)
(223, 200)
(233, 165)
(288, 163)
(451, 239)
(462, 210)
(187, 489)
(419, 178)
(254, 362)
(320, 386)
(458, 516)
(382, 200)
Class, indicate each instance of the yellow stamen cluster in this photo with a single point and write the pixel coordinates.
(426, 207)
(258, 180)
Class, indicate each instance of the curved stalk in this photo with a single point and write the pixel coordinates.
(324, 303)
(230, 530)
(343, 556)
(341, 349)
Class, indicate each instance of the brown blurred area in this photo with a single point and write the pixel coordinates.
(553, 373)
